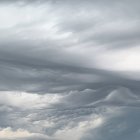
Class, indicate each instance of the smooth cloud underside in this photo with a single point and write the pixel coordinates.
(69, 69)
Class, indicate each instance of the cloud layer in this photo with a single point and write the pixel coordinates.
(69, 69)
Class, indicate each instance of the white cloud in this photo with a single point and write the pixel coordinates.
(25, 100)
(8, 133)
(77, 132)
(120, 60)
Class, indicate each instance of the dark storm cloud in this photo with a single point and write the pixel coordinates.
(69, 69)
(124, 126)
(40, 71)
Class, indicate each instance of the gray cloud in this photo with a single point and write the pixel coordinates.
(69, 69)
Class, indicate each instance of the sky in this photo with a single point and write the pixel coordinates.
(69, 69)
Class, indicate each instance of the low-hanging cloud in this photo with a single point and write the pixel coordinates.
(69, 69)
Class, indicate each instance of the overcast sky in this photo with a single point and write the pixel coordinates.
(69, 69)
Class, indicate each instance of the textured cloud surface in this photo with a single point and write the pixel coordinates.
(69, 70)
